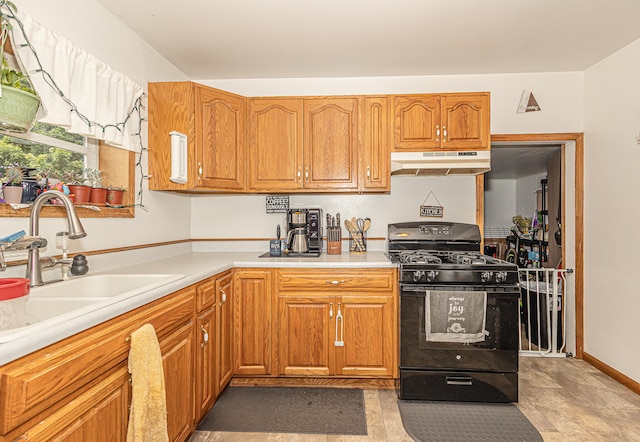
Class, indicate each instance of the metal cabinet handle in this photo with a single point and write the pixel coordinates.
(224, 297)
(437, 132)
(334, 282)
(369, 173)
(339, 327)
(299, 173)
(199, 170)
(205, 338)
(444, 134)
(306, 174)
(330, 311)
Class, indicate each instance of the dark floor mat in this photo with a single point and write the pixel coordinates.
(466, 421)
(288, 410)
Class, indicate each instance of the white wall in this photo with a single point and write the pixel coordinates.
(612, 210)
(93, 28)
(499, 202)
(525, 194)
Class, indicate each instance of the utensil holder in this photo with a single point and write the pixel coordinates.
(357, 242)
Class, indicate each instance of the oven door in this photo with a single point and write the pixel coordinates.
(497, 353)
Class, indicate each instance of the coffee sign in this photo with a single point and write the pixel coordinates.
(277, 203)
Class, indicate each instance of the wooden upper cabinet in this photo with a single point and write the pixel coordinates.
(466, 121)
(447, 121)
(417, 121)
(303, 144)
(275, 144)
(220, 139)
(213, 121)
(375, 143)
(331, 143)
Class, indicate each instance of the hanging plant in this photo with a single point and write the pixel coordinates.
(19, 102)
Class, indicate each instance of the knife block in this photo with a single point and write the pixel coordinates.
(334, 247)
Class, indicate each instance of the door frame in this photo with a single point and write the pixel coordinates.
(560, 138)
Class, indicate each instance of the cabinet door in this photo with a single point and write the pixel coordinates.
(219, 139)
(170, 109)
(275, 144)
(375, 140)
(305, 341)
(177, 354)
(368, 333)
(465, 121)
(205, 362)
(417, 122)
(252, 322)
(330, 143)
(224, 336)
(100, 415)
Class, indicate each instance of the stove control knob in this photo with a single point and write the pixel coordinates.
(486, 276)
(431, 276)
(501, 276)
(418, 275)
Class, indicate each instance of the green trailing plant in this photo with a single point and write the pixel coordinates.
(9, 75)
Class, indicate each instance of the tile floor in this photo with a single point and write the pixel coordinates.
(565, 398)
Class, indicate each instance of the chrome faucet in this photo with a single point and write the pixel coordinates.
(76, 231)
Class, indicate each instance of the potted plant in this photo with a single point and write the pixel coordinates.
(98, 195)
(79, 191)
(115, 194)
(19, 102)
(12, 184)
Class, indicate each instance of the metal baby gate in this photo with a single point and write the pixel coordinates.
(542, 312)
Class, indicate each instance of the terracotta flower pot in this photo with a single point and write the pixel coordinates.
(80, 193)
(98, 196)
(114, 197)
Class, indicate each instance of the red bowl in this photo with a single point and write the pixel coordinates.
(11, 288)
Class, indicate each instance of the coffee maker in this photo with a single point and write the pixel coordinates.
(304, 227)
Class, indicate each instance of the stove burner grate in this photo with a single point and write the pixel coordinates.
(419, 257)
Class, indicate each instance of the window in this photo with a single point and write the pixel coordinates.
(56, 154)
(50, 150)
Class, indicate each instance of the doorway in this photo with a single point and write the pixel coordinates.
(571, 209)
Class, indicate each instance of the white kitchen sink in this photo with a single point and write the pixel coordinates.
(104, 286)
(64, 301)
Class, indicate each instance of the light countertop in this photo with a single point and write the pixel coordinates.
(194, 266)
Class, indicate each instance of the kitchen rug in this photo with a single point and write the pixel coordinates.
(288, 410)
(427, 421)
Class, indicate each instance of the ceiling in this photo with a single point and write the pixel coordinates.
(516, 161)
(237, 39)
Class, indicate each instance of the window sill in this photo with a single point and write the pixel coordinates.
(6, 211)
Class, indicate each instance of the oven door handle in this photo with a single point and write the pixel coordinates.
(460, 380)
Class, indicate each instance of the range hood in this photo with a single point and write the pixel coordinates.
(441, 163)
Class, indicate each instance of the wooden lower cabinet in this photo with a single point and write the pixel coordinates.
(224, 332)
(350, 336)
(100, 414)
(253, 322)
(336, 322)
(177, 356)
(205, 363)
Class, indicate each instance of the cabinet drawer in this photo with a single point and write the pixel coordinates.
(49, 378)
(336, 279)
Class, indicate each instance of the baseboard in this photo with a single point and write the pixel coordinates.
(612, 373)
(376, 384)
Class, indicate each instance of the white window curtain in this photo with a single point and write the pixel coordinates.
(100, 93)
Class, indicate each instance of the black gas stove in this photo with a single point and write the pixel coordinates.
(458, 315)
